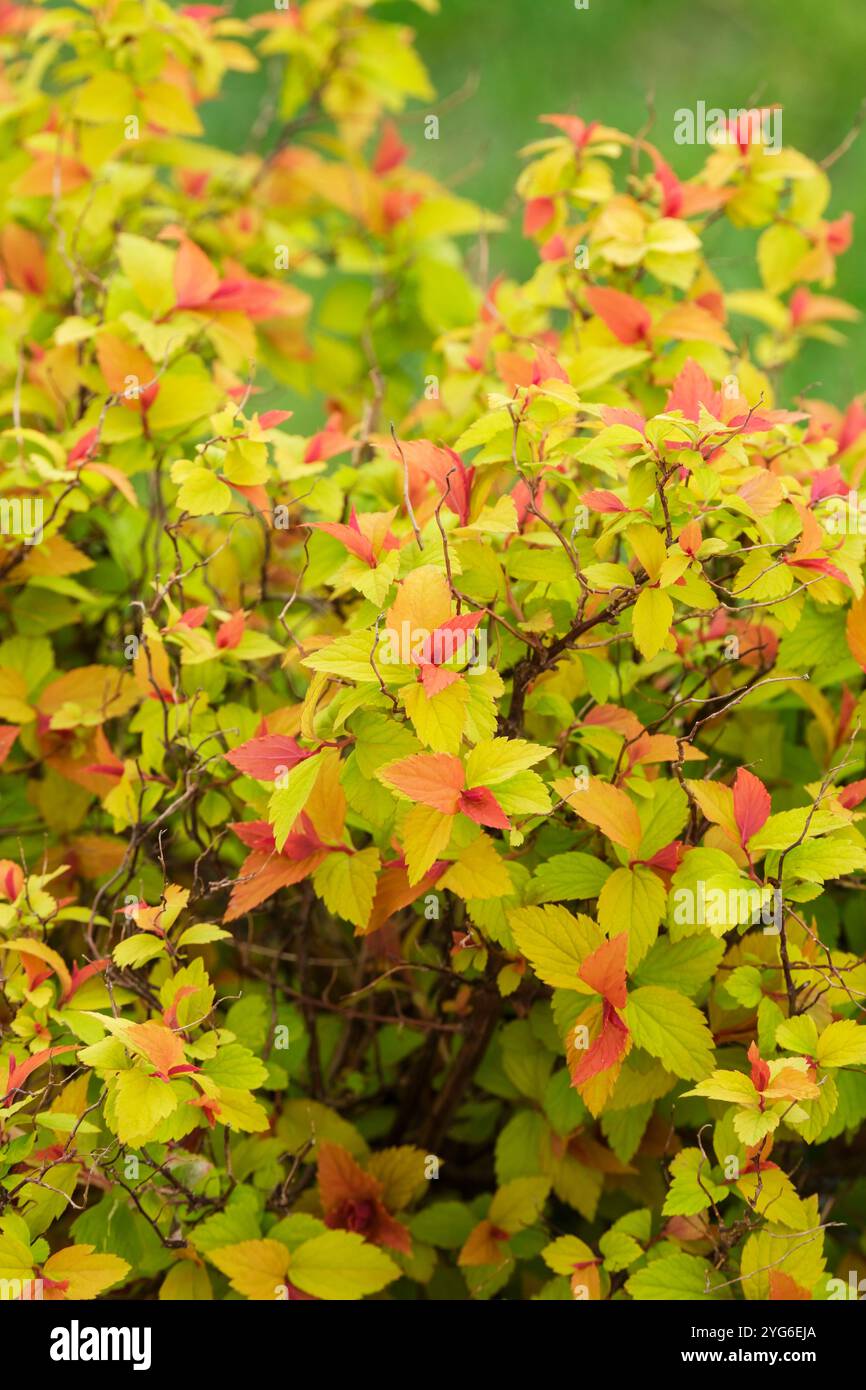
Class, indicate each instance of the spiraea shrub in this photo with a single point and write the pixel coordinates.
(432, 851)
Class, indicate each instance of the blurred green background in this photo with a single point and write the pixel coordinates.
(514, 60)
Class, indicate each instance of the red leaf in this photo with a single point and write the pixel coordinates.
(693, 389)
(537, 213)
(607, 1049)
(760, 1069)
(231, 631)
(350, 537)
(271, 418)
(853, 794)
(19, 1071)
(83, 447)
(80, 977)
(600, 500)
(437, 678)
(391, 152)
(446, 641)
(263, 757)
(256, 834)
(751, 803)
(627, 318)
(193, 617)
(480, 805)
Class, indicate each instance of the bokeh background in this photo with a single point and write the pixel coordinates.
(499, 64)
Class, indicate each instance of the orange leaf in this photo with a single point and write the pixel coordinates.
(751, 803)
(628, 319)
(604, 970)
(434, 779)
(607, 807)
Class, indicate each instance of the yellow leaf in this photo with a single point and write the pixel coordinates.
(341, 1265)
(256, 1268)
(425, 833)
(607, 807)
(843, 1044)
(26, 946)
(556, 943)
(87, 1271)
(649, 547)
(186, 1282)
(346, 883)
(438, 720)
(401, 1171)
(653, 615)
(140, 1104)
(423, 602)
(519, 1203)
(478, 872)
(87, 696)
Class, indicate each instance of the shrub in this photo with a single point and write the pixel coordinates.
(431, 842)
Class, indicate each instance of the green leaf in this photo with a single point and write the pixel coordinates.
(346, 883)
(569, 877)
(287, 802)
(669, 1026)
(341, 1265)
(681, 965)
(672, 1278)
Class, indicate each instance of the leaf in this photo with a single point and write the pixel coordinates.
(519, 1203)
(26, 946)
(651, 621)
(842, 1044)
(266, 757)
(141, 1102)
(494, 760)
(681, 965)
(478, 872)
(340, 1265)
(255, 1268)
(855, 631)
(672, 1278)
(201, 934)
(607, 807)
(792, 1253)
(751, 803)
(556, 943)
(633, 902)
(426, 834)
(86, 1272)
(346, 883)
(288, 801)
(236, 1066)
(16, 1261)
(138, 949)
(692, 1190)
(438, 720)
(604, 970)
(565, 877)
(434, 779)
(186, 1282)
(670, 1027)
